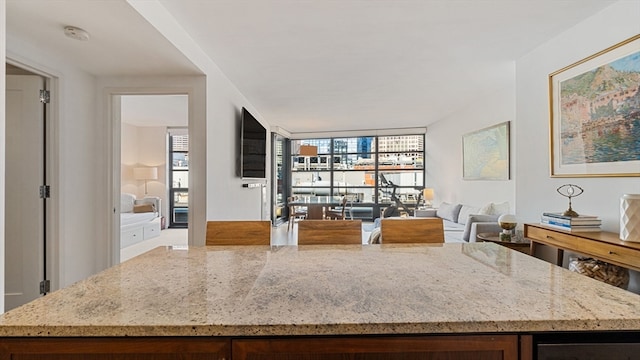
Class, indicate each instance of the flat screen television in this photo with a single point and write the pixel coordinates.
(253, 153)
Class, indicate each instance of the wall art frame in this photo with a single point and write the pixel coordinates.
(594, 123)
(485, 153)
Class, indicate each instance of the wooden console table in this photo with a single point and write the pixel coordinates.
(602, 245)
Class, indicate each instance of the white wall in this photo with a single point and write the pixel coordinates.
(226, 198)
(3, 12)
(79, 172)
(444, 149)
(144, 146)
(535, 189)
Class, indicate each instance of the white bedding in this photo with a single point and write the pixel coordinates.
(127, 219)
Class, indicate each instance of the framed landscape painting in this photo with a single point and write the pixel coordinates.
(485, 153)
(595, 114)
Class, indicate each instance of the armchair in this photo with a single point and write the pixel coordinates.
(477, 224)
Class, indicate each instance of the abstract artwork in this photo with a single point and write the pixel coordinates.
(595, 114)
(485, 153)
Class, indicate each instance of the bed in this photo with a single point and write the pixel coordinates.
(139, 219)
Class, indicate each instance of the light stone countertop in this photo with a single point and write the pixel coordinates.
(370, 289)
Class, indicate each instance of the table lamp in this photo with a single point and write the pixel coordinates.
(145, 173)
(507, 222)
(427, 194)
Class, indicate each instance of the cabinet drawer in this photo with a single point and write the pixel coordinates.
(617, 255)
(151, 230)
(130, 237)
(554, 238)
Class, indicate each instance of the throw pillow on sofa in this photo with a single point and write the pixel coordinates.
(449, 211)
(502, 208)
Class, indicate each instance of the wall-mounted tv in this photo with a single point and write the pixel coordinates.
(253, 155)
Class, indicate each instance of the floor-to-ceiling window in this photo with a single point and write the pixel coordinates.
(366, 168)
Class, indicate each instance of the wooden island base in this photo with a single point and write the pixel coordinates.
(452, 347)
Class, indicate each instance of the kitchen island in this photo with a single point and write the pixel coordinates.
(235, 301)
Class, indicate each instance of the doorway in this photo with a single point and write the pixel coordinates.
(27, 188)
(147, 125)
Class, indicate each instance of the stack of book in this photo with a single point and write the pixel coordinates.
(568, 223)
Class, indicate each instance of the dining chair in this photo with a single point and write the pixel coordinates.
(337, 213)
(411, 230)
(238, 232)
(320, 232)
(295, 212)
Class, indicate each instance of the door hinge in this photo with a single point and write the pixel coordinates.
(45, 96)
(45, 191)
(45, 287)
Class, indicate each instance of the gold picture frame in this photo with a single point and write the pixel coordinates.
(595, 114)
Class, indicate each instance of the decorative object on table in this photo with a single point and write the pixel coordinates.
(485, 153)
(569, 191)
(594, 120)
(600, 270)
(145, 173)
(569, 223)
(427, 195)
(507, 222)
(630, 217)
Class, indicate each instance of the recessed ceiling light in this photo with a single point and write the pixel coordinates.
(76, 33)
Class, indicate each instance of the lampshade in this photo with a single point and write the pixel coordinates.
(308, 150)
(145, 173)
(427, 193)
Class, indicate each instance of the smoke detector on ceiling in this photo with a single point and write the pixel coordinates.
(76, 33)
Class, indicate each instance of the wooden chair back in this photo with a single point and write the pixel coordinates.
(337, 213)
(411, 230)
(295, 212)
(238, 232)
(322, 232)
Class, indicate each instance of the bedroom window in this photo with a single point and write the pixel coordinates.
(178, 177)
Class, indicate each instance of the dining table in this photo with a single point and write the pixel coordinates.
(316, 204)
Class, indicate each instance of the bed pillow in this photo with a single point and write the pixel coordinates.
(126, 202)
(143, 208)
(448, 211)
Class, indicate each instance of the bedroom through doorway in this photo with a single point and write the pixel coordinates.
(153, 157)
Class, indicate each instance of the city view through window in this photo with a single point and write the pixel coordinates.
(358, 167)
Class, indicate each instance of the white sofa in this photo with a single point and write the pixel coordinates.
(463, 222)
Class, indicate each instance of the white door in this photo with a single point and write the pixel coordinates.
(24, 209)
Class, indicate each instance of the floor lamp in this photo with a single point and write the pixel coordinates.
(145, 173)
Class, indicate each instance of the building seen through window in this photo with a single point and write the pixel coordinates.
(352, 166)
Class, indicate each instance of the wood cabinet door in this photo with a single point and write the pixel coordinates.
(141, 348)
(480, 347)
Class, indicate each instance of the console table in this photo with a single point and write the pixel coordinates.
(602, 245)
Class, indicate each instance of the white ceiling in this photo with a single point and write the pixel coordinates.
(318, 65)
(155, 110)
